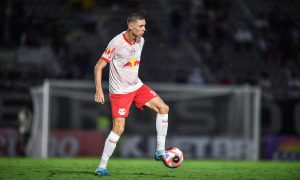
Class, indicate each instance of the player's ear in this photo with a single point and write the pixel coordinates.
(130, 26)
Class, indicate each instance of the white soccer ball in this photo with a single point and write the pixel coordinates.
(172, 157)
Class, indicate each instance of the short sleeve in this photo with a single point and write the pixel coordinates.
(109, 52)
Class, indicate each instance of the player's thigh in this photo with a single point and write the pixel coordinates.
(120, 104)
(158, 105)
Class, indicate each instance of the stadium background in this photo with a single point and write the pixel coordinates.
(203, 42)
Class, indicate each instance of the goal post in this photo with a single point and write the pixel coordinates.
(226, 118)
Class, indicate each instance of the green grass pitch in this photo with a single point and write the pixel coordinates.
(83, 168)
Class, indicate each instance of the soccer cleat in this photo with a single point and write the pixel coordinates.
(101, 172)
(158, 155)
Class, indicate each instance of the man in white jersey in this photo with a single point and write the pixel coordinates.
(123, 54)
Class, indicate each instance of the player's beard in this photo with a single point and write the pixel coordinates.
(141, 33)
(138, 35)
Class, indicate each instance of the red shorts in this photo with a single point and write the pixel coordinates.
(120, 103)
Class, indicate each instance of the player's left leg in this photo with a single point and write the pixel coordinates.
(145, 96)
(162, 110)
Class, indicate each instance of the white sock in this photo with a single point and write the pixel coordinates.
(161, 129)
(109, 147)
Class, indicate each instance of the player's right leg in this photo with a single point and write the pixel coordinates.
(120, 105)
(110, 145)
(101, 172)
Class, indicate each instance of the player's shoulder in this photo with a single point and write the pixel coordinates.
(116, 39)
(140, 40)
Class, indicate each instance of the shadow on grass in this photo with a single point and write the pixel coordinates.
(150, 174)
(58, 172)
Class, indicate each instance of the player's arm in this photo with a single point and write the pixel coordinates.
(99, 96)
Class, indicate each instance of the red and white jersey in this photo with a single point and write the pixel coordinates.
(124, 60)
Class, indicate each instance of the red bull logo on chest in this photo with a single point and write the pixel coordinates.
(132, 63)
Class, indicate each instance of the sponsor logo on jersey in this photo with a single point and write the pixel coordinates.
(107, 51)
(132, 63)
(122, 111)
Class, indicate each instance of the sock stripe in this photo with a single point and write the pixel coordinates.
(109, 147)
(112, 141)
(161, 129)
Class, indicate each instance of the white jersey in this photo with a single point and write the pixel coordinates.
(124, 59)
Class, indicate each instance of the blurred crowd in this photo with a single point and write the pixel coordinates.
(40, 39)
(258, 48)
(36, 43)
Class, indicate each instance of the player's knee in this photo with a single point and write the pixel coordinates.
(118, 129)
(164, 109)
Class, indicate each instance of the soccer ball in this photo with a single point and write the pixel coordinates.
(172, 157)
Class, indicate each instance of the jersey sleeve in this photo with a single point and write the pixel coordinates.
(109, 52)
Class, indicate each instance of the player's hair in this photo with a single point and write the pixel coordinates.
(134, 17)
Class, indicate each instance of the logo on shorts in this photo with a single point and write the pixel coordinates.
(122, 111)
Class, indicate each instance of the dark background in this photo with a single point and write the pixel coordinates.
(205, 42)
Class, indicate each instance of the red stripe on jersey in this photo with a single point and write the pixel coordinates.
(127, 40)
(104, 59)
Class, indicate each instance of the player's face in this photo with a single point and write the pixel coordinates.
(138, 27)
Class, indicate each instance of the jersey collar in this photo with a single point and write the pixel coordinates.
(125, 38)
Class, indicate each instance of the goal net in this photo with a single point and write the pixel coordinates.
(214, 122)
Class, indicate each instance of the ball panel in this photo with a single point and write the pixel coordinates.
(173, 157)
(176, 159)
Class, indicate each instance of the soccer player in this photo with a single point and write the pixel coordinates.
(123, 54)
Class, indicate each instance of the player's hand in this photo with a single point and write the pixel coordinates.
(99, 97)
